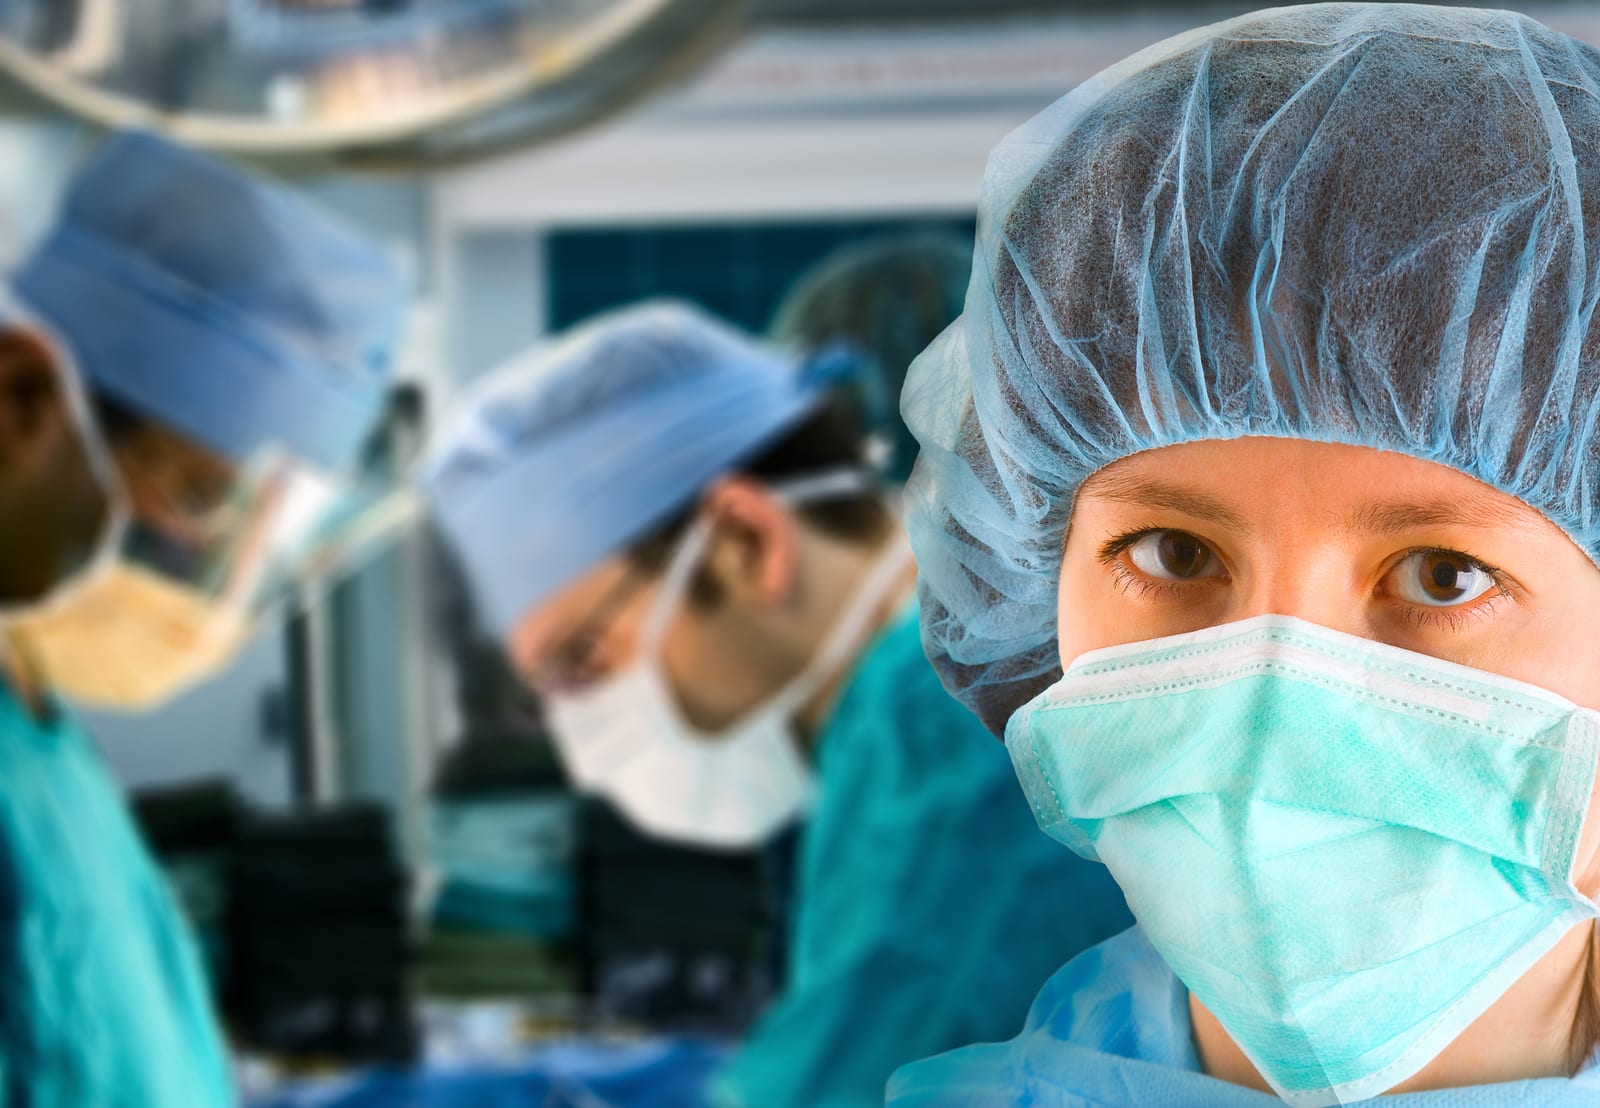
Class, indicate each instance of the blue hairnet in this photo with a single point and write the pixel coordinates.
(1351, 223)
(224, 306)
(583, 445)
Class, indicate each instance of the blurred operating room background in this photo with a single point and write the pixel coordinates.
(364, 817)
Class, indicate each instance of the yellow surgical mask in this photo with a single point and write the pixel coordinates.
(127, 639)
(139, 567)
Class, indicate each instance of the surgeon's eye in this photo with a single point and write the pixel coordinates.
(1173, 556)
(1440, 578)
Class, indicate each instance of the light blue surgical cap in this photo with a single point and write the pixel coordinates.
(227, 307)
(1351, 223)
(584, 445)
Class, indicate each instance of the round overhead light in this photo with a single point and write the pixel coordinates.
(408, 80)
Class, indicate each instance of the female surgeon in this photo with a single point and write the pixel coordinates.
(1259, 505)
(674, 535)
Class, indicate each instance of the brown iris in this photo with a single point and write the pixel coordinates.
(1181, 555)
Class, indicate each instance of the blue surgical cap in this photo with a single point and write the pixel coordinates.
(582, 446)
(1350, 223)
(228, 308)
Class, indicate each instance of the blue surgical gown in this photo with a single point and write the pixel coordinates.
(930, 905)
(1113, 1028)
(102, 999)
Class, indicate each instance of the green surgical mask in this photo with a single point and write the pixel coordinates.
(1346, 851)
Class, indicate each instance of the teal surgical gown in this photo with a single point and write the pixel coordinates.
(930, 906)
(102, 1000)
(1113, 1028)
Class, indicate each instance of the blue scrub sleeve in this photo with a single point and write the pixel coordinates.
(104, 1002)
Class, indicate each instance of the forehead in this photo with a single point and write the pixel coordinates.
(546, 626)
(1245, 482)
(153, 440)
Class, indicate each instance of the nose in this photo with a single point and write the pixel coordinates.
(1314, 583)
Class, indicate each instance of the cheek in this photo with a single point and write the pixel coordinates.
(1553, 650)
(1552, 647)
(682, 663)
(709, 680)
(1088, 615)
(37, 436)
(1094, 609)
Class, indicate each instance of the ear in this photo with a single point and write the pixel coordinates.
(757, 539)
(33, 405)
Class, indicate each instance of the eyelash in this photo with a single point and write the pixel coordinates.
(1454, 619)
(1127, 579)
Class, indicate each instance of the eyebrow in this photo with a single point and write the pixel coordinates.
(1146, 493)
(1478, 512)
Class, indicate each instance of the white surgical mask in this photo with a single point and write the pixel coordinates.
(625, 738)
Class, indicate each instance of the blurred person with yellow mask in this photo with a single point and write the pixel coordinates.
(188, 363)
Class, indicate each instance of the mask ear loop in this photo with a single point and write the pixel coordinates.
(826, 485)
(852, 626)
(674, 585)
(846, 634)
